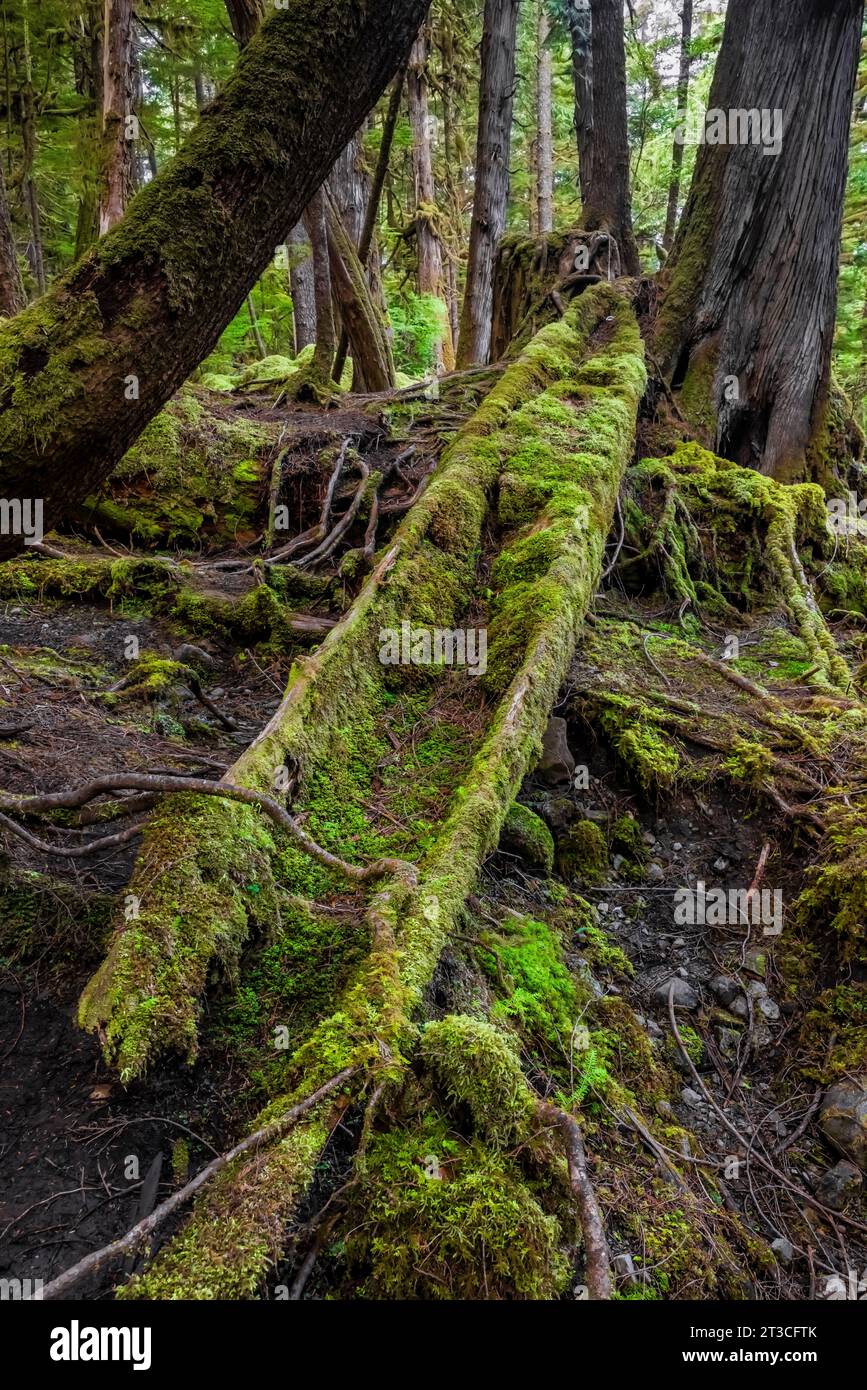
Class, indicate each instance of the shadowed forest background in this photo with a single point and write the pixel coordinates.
(433, 649)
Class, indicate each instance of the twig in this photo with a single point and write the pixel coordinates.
(597, 1253)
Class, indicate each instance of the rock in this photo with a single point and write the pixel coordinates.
(654, 873)
(624, 1269)
(582, 853)
(677, 846)
(725, 988)
(195, 656)
(556, 764)
(217, 693)
(678, 942)
(838, 1185)
(691, 1098)
(664, 1110)
(770, 1008)
(756, 960)
(558, 812)
(683, 972)
(843, 1118)
(650, 1026)
(720, 865)
(526, 835)
(617, 862)
(757, 990)
(728, 1040)
(739, 1007)
(685, 996)
(648, 837)
(783, 1249)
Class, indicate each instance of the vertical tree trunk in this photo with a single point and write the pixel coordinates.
(431, 279)
(117, 87)
(682, 101)
(245, 16)
(301, 287)
(326, 335)
(87, 58)
(747, 320)
(363, 323)
(579, 21)
(545, 137)
(496, 98)
(35, 253)
(12, 296)
(606, 198)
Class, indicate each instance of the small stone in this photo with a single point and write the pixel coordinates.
(783, 1249)
(617, 863)
(678, 942)
(650, 1026)
(664, 1110)
(624, 1269)
(725, 988)
(843, 1118)
(720, 865)
(683, 972)
(728, 1040)
(648, 837)
(557, 763)
(739, 1007)
(677, 846)
(14, 612)
(654, 873)
(217, 693)
(685, 996)
(838, 1185)
(770, 1008)
(757, 990)
(691, 1098)
(195, 656)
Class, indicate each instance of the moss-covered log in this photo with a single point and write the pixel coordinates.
(83, 370)
(556, 433)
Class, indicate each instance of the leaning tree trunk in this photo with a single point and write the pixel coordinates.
(86, 368)
(431, 277)
(682, 100)
(12, 297)
(606, 195)
(363, 323)
(302, 287)
(747, 321)
(496, 97)
(245, 16)
(117, 89)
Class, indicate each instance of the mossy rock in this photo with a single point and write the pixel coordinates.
(527, 835)
(477, 1065)
(582, 853)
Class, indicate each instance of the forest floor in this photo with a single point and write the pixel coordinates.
(690, 1206)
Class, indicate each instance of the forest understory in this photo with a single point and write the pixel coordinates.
(513, 957)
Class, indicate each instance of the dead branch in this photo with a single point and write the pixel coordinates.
(596, 1251)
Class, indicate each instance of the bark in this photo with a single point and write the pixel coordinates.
(682, 100)
(545, 139)
(606, 195)
(496, 98)
(12, 296)
(88, 85)
(326, 336)
(117, 89)
(431, 278)
(302, 288)
(747, 321)
(83, 371)
(30, 195)
(362, 320)
(245, 16)
(579, 21)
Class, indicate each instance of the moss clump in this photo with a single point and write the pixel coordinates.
(526, 834)
(582, 853)
(526, 961)
(477, 1065)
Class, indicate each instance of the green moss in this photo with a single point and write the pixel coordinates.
(582, 853)
(528, 835)
(527, 962)
(477, 1065)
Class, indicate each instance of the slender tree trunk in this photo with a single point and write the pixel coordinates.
(363, 323)
(545, 138)
(88, 85)
(431, 278)
(86, 369)
(682, 101)
(606, 197)
(301, 287)
(12, 297)
(326, 335)
(117, 85)
(580, 26)
(496, 98)
(35, 253)
(747, 320)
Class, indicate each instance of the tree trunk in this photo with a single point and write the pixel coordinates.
(682, 100)
(301, 287)
(580, 24)
(35, 254)
(496, 98)
(747, 321)
(431, 280)
(326, 335)
(606, 196)
(87, 368)
(545, 138)
(117, 83)
(245, 16)
(12, 297)
(88, 85)
(363, 323)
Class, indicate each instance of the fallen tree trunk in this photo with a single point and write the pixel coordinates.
(84, 370)
(556, 490)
